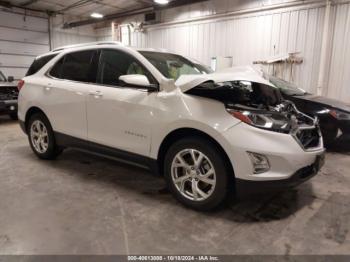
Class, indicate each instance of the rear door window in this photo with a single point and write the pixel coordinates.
(39, 63)
(78, 66)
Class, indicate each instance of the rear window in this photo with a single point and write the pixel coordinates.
(39, 63)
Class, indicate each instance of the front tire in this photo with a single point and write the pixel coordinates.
(41, 137)
(196, 173)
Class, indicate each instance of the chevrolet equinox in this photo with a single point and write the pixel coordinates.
(205, 132)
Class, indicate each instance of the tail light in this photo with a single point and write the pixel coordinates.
(20, 85)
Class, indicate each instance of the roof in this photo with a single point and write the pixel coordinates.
(96, 44)
(87, 44)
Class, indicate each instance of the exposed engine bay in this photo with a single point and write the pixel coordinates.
(256, 104)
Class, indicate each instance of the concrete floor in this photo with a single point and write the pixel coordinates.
(84, 204)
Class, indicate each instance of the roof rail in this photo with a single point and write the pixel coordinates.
(86, 44)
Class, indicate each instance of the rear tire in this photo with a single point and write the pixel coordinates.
(196, 173)
(41, 137)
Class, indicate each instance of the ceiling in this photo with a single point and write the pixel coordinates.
(83, 8)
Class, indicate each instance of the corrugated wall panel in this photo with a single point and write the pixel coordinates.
(22, 48)
(251, 38)
(20, 21)
(339, 75)
(22, 37)
(62, 37)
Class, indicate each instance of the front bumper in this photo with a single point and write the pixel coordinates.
(287, 159)
(8, 106)
(248, 187)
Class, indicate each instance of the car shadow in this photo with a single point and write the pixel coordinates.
(6, 120)
(136, 180)
(340, 145)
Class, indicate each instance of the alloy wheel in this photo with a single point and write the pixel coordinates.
(193, 174)
(39, 136)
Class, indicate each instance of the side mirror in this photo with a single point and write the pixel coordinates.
(10, 79)
(140, 81)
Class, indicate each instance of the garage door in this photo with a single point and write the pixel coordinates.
(22, 38)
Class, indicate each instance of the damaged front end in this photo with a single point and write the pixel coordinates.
(262, 106)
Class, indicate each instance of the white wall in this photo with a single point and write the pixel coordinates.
(246, 37)
(339, 65)
(22, 38)
(61, 37)
(249, 38)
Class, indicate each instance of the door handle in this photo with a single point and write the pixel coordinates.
(95, 93)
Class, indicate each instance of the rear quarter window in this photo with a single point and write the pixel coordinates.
(39, 63)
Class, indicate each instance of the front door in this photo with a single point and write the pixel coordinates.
(118, 116)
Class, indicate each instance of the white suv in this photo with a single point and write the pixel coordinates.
(205, 132)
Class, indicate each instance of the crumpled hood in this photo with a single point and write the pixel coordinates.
(187, 82)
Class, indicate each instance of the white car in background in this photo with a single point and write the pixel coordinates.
(207, 133)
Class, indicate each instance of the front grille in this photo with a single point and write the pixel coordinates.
(309, 138)
(8, 93)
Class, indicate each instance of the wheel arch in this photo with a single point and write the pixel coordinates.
(180, 133)
(31, 111)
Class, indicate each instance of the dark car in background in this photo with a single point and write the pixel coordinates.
(334, 115)
(8, 96)
(9, 89)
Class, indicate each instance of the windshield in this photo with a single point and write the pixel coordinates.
(173, 66)
(286, 87)
(2, 77)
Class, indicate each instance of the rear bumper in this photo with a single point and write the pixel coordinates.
(8, 106)
(248, 187)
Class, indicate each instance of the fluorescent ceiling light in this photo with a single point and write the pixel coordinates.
(96, 15)
(161, 2)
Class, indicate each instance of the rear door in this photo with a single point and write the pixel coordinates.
(66, 91)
